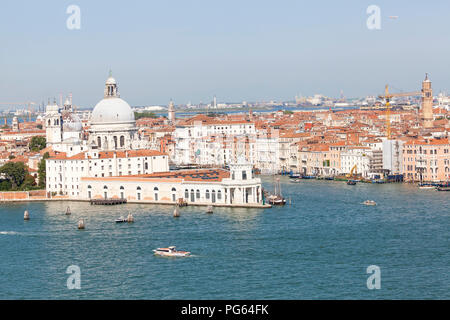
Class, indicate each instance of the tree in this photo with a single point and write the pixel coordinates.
(37, 143)
(39, 126)
(42, 171)
(14, 172)
(145, 114)
(28, 183)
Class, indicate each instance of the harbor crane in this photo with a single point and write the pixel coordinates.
(29, 103)
(387, 97)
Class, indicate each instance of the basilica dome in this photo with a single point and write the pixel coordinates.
(112, 110)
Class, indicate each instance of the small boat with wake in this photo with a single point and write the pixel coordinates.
(171, 252)
(370, 203)
(121, 219)
(351, 182)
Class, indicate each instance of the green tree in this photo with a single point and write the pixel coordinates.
(14, 172)
(42, 171)
(37, 143)
(39, 126)
(28, 183)
(145, 114)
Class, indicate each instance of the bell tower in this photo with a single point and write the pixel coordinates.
(427, 103)
(53, 124)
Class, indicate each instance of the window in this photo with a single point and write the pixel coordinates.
(207, 194)
(219, 195)
(244, 175)
(186, 194)
(198, 194)
(122, 141)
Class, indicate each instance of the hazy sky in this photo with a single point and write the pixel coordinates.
(190, 50)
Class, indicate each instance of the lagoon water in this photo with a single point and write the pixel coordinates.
(319, 247)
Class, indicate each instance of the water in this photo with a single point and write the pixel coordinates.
(317, 248)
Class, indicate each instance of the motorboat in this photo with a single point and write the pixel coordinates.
(351, 182)
(171, 252)
(295, 176)
(121, 219)
(426, 186)
(370, 203)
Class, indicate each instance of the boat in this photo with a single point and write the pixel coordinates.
(276, 198)
(294, 176)
(68, 213)
(443, 187)
(370, 203)
(308, 177)
(426, 186)
(351, 182)
(296, 180)
(121, 219)
(171, 252)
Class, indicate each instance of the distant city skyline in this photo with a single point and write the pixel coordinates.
(191, 52)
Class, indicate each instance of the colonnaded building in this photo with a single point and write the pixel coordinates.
(110, 159)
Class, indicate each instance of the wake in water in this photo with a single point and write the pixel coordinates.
(8, 232)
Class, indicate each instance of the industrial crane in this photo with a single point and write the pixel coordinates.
(29, 103)
(387, 97)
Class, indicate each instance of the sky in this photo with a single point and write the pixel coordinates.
(237, 50)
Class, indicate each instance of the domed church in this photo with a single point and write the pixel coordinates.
(113, 126)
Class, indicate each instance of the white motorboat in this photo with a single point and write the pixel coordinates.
(121, 219)
(370, 203)
(171, 252)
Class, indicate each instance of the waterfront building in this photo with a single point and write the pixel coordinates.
(426, 160)
(235, 187)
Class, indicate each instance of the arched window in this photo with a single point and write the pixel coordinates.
(192, 195)
(89, 187)
(186, 194)
(198, 194)
(122, 194)
(174, 195)
(219, 195)
(207, 194)
(115, 142)
(155, 189)
(173, 189)
(105, 187)
(121, 188)
(99, 142)
(48, 121)
(122, 141)
(138, 193)
(146, 166)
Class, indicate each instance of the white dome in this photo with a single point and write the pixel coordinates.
(112, 110)
(71, 122)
